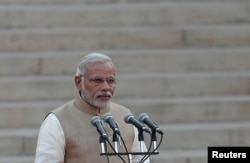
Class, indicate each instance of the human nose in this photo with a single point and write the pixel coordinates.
(105, 85)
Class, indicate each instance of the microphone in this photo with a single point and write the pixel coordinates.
(129, 118)
(96, 121)
(144, 118)
(108, 118)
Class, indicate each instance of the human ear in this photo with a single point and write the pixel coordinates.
(78, 82)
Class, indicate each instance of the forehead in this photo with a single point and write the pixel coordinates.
(100, 68)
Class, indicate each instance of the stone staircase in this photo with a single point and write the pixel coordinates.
(184, 62)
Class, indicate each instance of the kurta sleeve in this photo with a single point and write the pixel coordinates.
(51, 141)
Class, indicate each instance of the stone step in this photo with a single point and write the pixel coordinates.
(18, 141)
(175, 156)
(164, 156)
(17, 159)
(176, 137)
(140, 86)
(183, 85)
(162, 111)
(180, 156)
(52, 2)
(142, 14)
(186, 60)
(202, 135)
(68, 39)
(192, 110)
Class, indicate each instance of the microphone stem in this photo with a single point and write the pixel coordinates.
(140, 135)
(154, 139)
(141, 146)
(102, 142)
(130, 158)
(115, 140)
(116, 148)
(141, 139)
(103, 147)
(155, 146)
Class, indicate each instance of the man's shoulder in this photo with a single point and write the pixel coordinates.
(63, 107)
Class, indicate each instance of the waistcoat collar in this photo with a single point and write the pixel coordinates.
(90, 109)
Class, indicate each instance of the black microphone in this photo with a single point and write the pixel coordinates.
(96, 121)
(129, 118)
(144, 118)
(108, 118)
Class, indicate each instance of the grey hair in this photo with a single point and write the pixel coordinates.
(90, 59)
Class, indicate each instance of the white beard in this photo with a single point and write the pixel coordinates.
(93, 100)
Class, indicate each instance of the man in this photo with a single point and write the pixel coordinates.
(67, 136)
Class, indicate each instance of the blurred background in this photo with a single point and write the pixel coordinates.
(184, 62)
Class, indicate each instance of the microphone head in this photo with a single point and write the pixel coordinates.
(127, 117)
(95, 119)
(142, 116)
(106, 116)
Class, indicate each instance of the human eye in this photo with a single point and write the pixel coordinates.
(97, 80)
(111, 80)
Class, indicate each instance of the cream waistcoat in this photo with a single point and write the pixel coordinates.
(82, 139)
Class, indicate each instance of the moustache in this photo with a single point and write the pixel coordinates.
(109, 94)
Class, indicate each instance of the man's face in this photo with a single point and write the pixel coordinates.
(98, 84)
